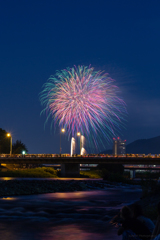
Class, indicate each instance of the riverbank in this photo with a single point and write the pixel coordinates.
(17, 187)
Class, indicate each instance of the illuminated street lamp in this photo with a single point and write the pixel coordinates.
(9, 135)
(61, 131)
(79, 135)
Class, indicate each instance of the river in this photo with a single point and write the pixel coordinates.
(64, 216)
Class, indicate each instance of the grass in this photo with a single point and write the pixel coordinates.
(41, 172)
(112, 177)
(45, 172)
(49, 172)
(91, 174)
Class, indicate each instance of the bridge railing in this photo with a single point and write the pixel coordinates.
(76, 155)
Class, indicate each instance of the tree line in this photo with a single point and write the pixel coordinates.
(17, 147)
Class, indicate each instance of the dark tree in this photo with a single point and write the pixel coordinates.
(4, 142)
(18, 147)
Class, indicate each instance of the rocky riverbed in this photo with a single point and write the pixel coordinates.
(17, 187)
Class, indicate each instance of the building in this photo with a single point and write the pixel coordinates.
(119, 146)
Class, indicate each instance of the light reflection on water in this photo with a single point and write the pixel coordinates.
(19, 231)
(7, 178)
(75, 195)
(71, 232)
(75, 232)
(8, 198)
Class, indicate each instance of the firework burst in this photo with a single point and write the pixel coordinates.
(83, 100)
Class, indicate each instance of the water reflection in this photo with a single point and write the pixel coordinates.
(21, 231)
(9, 198)
(7, 178)
(80, 194)
(70, 232)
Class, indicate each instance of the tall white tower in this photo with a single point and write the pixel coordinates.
(82, 143)
(73, 146)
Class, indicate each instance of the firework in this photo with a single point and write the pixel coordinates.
(82, 100)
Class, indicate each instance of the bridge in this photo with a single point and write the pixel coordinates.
(70, 166)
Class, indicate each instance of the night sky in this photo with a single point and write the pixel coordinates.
(39, 37)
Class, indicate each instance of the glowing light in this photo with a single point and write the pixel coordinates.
(9, 135)
(63, 130)
(86, 101)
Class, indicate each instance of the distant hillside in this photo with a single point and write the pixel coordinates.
(146, 146)
(142, 146)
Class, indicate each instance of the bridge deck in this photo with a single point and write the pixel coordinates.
(81, 160)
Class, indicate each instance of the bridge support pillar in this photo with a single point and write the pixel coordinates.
(70, 170)
(132, 174)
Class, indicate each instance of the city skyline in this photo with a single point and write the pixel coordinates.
(38, 38)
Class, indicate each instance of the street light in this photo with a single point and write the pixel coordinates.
(61, 131)
(9, 135)
(79, 135)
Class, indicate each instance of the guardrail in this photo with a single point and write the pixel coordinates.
(76, 155)
(81, 160)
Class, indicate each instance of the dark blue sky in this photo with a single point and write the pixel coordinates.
(39, 37)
